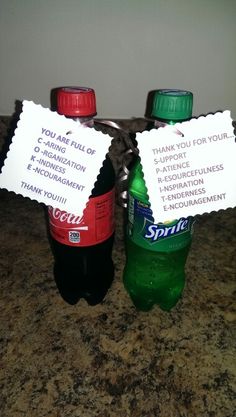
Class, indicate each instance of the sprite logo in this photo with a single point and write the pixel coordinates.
(157, 232)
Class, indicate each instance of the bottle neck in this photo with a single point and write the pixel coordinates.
(84, 120)
(164, 122)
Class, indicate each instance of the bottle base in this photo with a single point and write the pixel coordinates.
(144, 296)
(147, 305)
(95, 299)
(67, 289)
(154, 278)
(72, 289)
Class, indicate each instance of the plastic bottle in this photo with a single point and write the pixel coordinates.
(83, 265)
(154, 273)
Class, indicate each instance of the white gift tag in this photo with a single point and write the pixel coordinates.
(53, 160)
(190, 168)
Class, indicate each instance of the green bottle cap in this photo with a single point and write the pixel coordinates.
(172, 104)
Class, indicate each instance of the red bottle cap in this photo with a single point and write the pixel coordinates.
(76, 101)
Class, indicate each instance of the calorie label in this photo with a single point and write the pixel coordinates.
(95, 226)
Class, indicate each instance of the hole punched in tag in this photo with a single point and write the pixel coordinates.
(86, 122)
(158, 123)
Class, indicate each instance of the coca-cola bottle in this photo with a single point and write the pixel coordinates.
(82, 247)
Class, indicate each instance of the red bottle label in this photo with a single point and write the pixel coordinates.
(95, 226)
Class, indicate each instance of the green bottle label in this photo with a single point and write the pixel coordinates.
(161, 237)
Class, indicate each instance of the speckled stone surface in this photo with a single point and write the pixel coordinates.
(111, 360)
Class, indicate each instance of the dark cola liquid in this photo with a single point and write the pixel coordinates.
(86, 272)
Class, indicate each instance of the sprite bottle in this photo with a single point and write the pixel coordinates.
(154, 270)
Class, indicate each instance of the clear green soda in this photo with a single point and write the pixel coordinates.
(156, 254)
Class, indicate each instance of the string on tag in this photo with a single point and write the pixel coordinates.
(130, 153)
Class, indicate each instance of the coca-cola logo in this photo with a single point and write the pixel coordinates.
(64, 217)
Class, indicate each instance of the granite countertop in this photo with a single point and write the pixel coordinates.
(110, 360)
